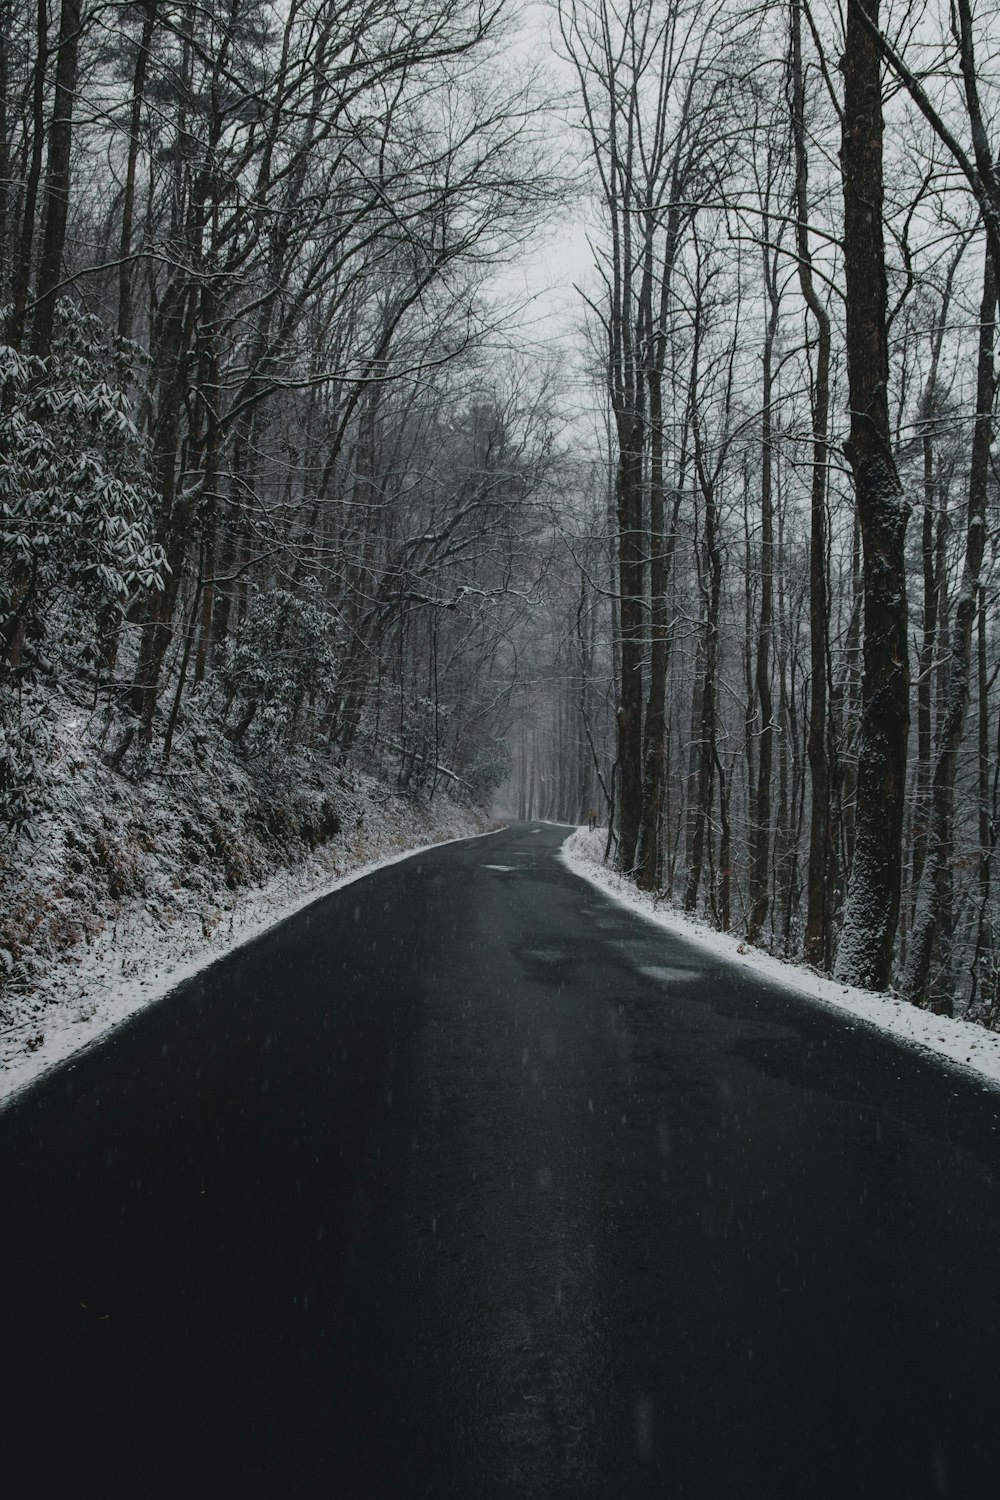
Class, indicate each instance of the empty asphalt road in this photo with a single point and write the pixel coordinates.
(465, 1182)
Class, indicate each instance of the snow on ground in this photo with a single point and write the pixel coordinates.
(961, 1043)
(147, 951)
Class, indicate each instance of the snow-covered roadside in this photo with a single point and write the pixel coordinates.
(141, 958)
(962, 1043)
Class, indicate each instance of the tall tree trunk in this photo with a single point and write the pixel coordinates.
(174, 510)
(128, 201)
(850, 694)
(631, 573)
(925, 667)
(691, 801)
(983, 779)
(865, 952)
(749, 614)
(648, 851)
(932, 561)
(818, 939)
(26, 239)
(981, 990)
(932, 917)
(662, 539)
(57, 182)
(707, 756)
(760, 798)
(725, 845)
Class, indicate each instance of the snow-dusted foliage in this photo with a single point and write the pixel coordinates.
(25, 752)
(232, 524)
(126, 888)
(75, 536)
(76, 548)
(284, 657)
(489, 763)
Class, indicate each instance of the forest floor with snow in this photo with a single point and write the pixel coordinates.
(127, 885)
(962, 1044)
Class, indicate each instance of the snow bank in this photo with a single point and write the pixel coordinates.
(141, 946)
(961, 1043)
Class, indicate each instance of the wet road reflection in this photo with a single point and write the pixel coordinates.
(461, 1183)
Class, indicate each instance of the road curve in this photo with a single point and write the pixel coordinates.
(465, 1182)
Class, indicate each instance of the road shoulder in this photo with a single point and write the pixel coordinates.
(141, 959)
(957, 1043)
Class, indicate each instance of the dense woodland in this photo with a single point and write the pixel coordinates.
(793, 556)
(283, 468)
(261, 464)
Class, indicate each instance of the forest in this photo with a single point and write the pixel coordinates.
(290, 479)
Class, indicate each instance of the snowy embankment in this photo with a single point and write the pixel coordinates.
(128, 889)
(962, 1043)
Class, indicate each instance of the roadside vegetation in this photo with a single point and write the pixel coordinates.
(273, 485)
(293, 487)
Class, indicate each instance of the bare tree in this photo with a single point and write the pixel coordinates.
(865, 952)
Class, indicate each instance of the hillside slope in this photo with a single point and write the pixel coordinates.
(122, 885)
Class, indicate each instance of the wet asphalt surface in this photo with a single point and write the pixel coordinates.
(466, 1182)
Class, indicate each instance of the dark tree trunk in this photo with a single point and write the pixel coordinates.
(631, 570)
(866, 945)
(128, 202)
(26, 239)
(691, 802)
(654, 760)
(850, 695)
(760, 795)
(933, 917)
(706, 730)
(933, 571)
(175, 511)
(981, 990)
(725, 846)
(983, 779)
(662, 539)
(57, 177)
(818, 938)
(925, 668)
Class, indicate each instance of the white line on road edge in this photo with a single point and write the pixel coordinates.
(960, 1043)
